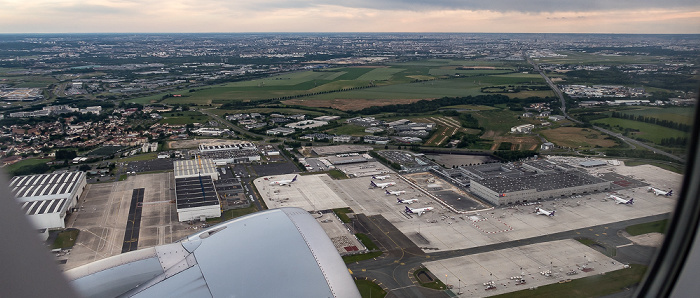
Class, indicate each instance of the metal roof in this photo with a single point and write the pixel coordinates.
(194, 167)
(37, 186)
(195, 192)
(284, 250)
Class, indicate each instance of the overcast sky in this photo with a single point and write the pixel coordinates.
(536, 16)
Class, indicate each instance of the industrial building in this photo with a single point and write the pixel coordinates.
(503, 184)
(224, 154)
(47, 198)
(195, 194)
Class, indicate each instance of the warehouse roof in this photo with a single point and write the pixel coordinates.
(193, 192)
(27, 188)
(540, 182)
(194, 167)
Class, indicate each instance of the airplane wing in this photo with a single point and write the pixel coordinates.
(222, 260)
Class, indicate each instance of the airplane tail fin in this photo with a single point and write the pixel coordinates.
(631, 202)
(371, 183)
(398, 200)
(387, 192)
(295, 178)
(669, 193)
(408, 210)
(373, 177)
(552, 214)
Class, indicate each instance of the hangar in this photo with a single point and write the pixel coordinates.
(47, 198)
(195, 193)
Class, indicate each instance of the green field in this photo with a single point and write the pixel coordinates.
(497, 122)
(393, 81)
(676, 114)
(27, 162)
(651, 132)
(649, 227)
(368, 289)
(186, 117)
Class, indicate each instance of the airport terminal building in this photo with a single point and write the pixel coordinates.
(48, 198)
(504, 184)
(195, 194)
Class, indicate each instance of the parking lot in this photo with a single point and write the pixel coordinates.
(537, 264)
(103, 212)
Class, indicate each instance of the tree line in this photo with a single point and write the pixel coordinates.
(423, 106)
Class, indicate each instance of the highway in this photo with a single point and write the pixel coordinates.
(393, 270)
(633, 143)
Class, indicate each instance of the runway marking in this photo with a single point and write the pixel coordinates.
(628, 244)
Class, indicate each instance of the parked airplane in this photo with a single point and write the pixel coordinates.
(396, 192)
(620, 200)
(411, 201)
(381, 185)
(380, 177)
(660, 192)
(541, 211)
(418, 211)
(284, 182)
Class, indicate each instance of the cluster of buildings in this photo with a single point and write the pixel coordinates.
(56, 110)
(230, 153)
(20, 94)
(583, 91)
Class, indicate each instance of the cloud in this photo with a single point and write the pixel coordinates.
(525, 6)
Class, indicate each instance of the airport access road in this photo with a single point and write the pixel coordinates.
(393, 270)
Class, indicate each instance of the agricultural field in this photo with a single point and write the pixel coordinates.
(575, 137)
(653, 133)
(365, 86)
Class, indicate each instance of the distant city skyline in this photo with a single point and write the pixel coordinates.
(507, 16)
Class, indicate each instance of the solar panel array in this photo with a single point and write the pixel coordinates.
(45, 184)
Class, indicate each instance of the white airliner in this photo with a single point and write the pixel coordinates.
(396, 192)
(381, 185)
(411, 201)
(541, 211)
(284, 182)
(380, 177)
(418, 211)
(660, 192)
(620, 200)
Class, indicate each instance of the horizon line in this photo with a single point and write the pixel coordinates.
(341, 32)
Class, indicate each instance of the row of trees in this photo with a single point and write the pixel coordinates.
(680, 142)
(423, 106)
